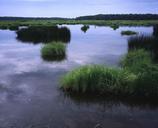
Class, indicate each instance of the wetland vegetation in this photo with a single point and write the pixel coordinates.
(85, 28)
(44, 34)
(97, 79)
(138, 77)
(146, 42)
(114, 23)
(54, 51)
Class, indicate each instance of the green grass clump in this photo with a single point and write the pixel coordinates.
(147, 81)
(55, 51)
(128, 33)
(13, 28)
(140, 63)
(135, 60)
(97, 79)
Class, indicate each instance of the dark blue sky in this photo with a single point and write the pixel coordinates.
(73, 8)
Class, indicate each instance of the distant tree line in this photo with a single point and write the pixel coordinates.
(120, 17)
(92, 17)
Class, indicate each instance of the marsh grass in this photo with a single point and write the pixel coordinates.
(128, 33)
(155, 31)
(147, 81)
(55, 51)
(135, 60)
(114, 26)
(113, 23)
(138, 77)
(97, 79)
(140, 63)
(13, 28)
(3, 27)
(148, 43)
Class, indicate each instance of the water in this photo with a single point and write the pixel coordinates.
(29, 86)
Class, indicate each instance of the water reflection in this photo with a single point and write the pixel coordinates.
(44, 34)
(54, 58)
(112, 101)
(8, 93)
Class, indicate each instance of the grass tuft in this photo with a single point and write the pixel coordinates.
(135, 60)
(55, 51)
(97, 79)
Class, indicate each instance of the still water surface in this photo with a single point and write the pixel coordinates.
(29, 93)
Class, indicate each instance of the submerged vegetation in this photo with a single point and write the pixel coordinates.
(128, 33)
(54, 51)
(40, 34)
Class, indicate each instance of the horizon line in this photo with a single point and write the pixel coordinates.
(79, 16)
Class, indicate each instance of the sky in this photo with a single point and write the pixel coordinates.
(74, 8)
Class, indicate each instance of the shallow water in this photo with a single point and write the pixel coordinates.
(29, 93)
